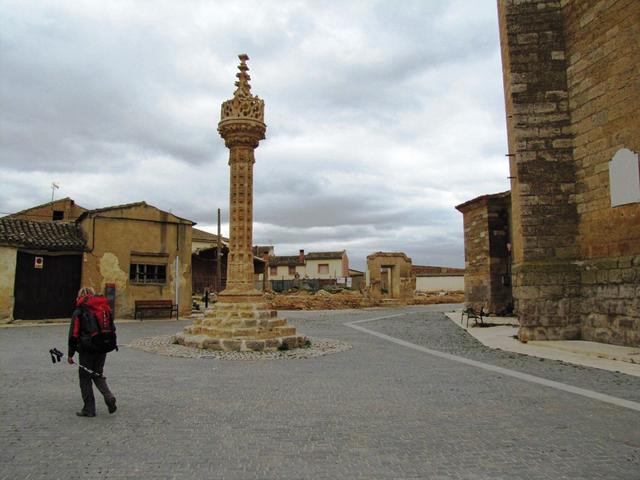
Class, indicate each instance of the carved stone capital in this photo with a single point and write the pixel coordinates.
(241, 133)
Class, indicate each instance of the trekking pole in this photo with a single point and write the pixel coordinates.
(56, 356)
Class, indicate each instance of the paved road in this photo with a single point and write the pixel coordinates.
(378, 411)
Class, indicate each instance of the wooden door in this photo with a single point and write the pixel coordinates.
(48, 291)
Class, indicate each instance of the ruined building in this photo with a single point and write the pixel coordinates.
(487, 252)
(572, 92)
(389, 278)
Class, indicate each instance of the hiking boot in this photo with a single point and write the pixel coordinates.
(84, 413)
(111, 404)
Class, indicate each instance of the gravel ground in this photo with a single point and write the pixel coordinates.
(165, 345)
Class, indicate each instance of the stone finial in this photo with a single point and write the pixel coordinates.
(243, 107)
(244, 89)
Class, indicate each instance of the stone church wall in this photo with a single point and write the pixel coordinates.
(572, 90)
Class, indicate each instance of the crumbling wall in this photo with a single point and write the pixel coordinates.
(403, 283)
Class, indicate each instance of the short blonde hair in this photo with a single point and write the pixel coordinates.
(84, 291)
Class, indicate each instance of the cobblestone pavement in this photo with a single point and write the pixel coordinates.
(376, 411)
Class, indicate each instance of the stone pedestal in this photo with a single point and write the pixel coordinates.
(241, 320)
(241, 326)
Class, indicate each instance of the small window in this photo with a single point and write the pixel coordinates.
(273, 271)
(58, 215)
(143, 273)
(624, 177)
(323, 268)
(292, 269)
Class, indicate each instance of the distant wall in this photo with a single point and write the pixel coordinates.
(448, 283)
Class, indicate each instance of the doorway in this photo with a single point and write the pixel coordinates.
(46, 285)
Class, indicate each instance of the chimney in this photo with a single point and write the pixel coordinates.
(301, 256)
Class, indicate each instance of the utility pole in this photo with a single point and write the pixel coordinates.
(218, 255)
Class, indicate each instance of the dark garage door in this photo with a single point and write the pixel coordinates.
(47, 292)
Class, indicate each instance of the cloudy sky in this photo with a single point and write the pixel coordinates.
(381, 115)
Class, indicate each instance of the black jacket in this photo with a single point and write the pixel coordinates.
(79, 338)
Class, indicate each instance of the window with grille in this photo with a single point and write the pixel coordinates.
(292, 269)
(145, 273)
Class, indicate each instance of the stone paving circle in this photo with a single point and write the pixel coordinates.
(165, 345)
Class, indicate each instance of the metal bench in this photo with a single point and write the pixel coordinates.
(471, 313)
(155, 305)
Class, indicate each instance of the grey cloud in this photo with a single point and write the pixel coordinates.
(377, 113)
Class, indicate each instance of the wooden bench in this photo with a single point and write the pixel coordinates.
(154, 305)
(471, 313)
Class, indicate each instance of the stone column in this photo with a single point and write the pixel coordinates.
(242, 127)
(241, 319)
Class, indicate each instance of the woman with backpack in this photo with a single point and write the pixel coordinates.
(92, 335)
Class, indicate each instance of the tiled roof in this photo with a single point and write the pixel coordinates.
(260, 250)
(430, 270)
(125, 206)
(198, 235)
(285, 260)
(275, 260)
(59, 236)
(114, 207)
(324, 255)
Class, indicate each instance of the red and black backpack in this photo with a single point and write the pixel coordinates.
(98, 323)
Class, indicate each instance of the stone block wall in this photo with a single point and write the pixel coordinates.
(487, 276)
(477, 276)
(572, 90)
(603, 74)
(611, 300)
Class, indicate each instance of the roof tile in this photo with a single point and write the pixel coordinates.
(59, 236)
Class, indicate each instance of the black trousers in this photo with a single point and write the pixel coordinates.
(92, 361)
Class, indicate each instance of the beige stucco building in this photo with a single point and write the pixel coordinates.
(139, 251)
(145, 252)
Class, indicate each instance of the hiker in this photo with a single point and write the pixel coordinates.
(82, 329)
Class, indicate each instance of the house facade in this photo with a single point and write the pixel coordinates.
(313, 265)
(133, 252)
(141, 251)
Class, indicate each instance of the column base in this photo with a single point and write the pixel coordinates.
(238, 324)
